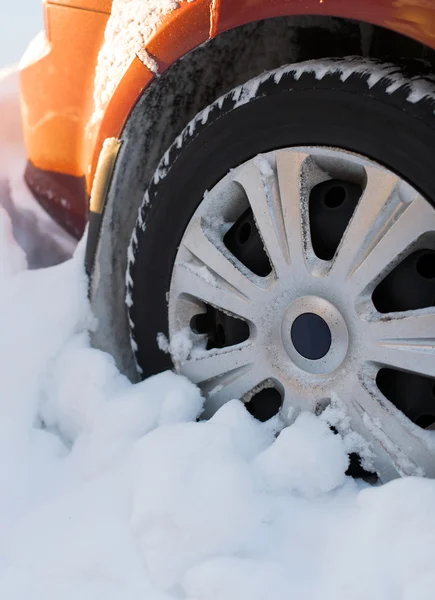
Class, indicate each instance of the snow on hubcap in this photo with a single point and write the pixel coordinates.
(290, 291)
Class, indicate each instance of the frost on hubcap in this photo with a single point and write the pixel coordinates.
(306, 278)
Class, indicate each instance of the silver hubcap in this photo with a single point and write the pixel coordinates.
(390, 221)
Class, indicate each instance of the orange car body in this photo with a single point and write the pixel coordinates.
(64, 132)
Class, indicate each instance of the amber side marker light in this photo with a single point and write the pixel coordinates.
(100, 187)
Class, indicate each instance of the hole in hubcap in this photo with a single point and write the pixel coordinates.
(357, 471)
(411, 393)
(244, 232)
(425, 265)
(331, 206)
(221, 330)
(355, 468)
(410, 286)
(426, 421)
(335, 196)
(265, 404)
(245, 243)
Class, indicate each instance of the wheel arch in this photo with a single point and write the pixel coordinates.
(194, 23)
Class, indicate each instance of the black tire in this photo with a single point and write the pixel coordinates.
(352, 104)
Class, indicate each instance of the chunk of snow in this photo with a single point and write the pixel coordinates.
(180, 346)
(305, 458)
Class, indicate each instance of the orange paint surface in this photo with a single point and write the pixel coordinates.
(96, 5)
(179, 32)
(57, 90)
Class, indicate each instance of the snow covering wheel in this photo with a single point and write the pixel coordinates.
(284, 254)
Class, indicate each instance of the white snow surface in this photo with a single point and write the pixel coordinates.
(113, 490)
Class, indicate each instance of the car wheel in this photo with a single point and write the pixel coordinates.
(284, 254)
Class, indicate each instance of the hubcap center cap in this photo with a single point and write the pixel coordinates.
(314, 335)
(311, 336)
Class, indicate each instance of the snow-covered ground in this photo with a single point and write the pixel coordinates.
(112, 490)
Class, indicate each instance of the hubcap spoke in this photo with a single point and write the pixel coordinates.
(417, 219)
(404, 342)
(197, 280)
(217, 260)
(355, 246)
(276, 209)
(215, 363)
(418, 327)
(225, 374)
(395, 447)
(412, 358)
(292, 190)
(295, 402)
